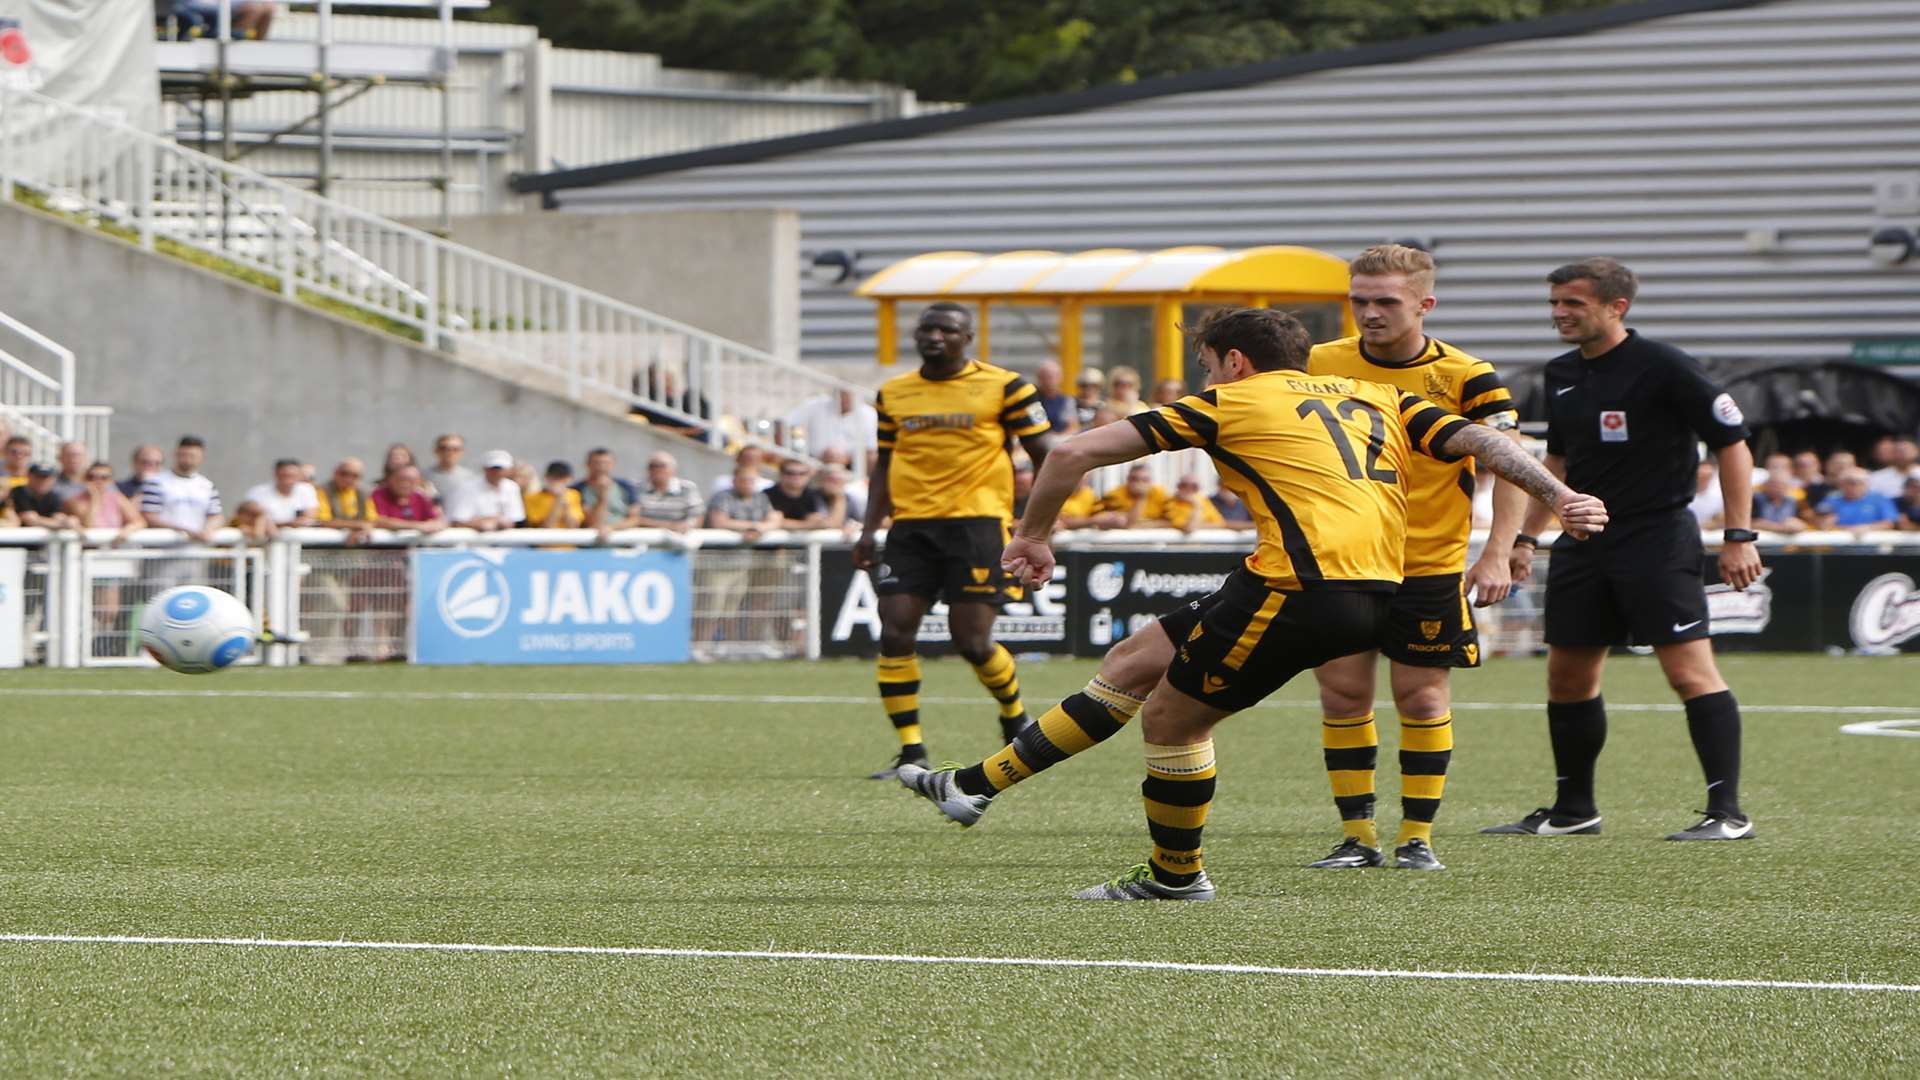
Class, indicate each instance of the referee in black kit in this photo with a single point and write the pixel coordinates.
(1623, 417)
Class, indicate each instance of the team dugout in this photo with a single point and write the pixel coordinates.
(1140, 298)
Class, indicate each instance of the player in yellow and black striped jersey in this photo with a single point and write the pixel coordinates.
(945, 475)
(1430, 628)
(1320, 461)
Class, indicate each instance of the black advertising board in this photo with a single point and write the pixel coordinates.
(850, 615)
(1808, 601)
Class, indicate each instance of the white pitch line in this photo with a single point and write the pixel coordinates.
(1907, 729)
(560, 696)
(974, 961)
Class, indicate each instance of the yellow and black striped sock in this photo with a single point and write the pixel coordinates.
(1426, 748)
(1178, 791)
(1351, 747)
(900, 696)
(1091, 716)
(1003, 682)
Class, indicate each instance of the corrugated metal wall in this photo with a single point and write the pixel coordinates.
(605, 107)
(1663, 143)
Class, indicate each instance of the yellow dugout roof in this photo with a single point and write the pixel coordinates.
(1168, 280)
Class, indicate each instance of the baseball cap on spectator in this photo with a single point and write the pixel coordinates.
(497, 459)
(559, 468)
(38, 469)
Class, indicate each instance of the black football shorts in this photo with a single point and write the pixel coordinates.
(1237, 645)
(1429, 624)
(1637, 583)
(951, 559)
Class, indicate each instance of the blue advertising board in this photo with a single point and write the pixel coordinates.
(513, 606)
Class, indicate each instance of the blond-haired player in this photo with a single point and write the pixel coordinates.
(1429, 628)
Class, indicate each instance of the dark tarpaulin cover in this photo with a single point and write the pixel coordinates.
(1772, 394)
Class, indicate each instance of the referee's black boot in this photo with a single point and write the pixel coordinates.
(1545, 822)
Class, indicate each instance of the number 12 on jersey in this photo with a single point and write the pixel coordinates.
(1376, 438)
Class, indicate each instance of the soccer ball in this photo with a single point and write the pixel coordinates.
(196, 630)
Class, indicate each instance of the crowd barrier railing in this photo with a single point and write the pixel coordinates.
(74, 598)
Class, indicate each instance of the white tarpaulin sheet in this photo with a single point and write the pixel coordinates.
(93, 53)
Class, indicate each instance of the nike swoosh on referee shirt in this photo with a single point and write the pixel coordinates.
(1563, 390)
(1681, 628)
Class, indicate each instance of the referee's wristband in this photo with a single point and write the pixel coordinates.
(1739, 536)
(1531, 541)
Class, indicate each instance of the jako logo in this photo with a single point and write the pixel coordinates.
(1886, 613)
(473, 598)
(1105, 580)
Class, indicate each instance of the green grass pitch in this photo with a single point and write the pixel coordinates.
(370, 805)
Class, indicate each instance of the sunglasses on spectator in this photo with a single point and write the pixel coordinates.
(99, 476)
(793, 472)
(344, 472)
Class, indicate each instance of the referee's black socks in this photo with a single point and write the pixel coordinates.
(1714, 722)
(1578, 730)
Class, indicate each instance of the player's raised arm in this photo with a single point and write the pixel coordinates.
(1029, 556)
(1439, 433)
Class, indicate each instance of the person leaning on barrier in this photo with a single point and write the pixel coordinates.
(1137, 504)
(253, 522)
(609, 501)
(1908, 505)
(497, 502)
(14, 461)
(843, 511)
(342, 504)
(1856, 507)
(1233, 512)
(36, 505)
(555, 505)
(72, 478)
(668, 501)
(101, 505)
(1776, 506)
(449, 483)
(742, 508)
(1190, 509)
(147, 461)
(182, 498)
(287, 499)
(794, 499)
(399, 504)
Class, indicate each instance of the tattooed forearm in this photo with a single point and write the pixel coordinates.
(1497, 452)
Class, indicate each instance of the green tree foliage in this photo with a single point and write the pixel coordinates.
(982, 50)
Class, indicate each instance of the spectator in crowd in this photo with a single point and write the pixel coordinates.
(524, 477)
(843, 510)
(398, 503)
(399, 456)
(496, 501)
(450, 483)
(1079, 509)
(341, 503)
(743, 507)
(102, 505)
(1090, 396)
(1046, 380)
(1102, 416)
(1137, 504)
(1806, 475)
(668, 501)
(34, 503)
(251, 19)
(663, 387)
(182, 498)
(795, 500)
(1776, 506)
(1908, 504)
(1781, 465)
(287, 500)
(254, 522)
(1168, 391)
(1708, 506)
(839, 419)
(1902, 463)
(555, 505)
(1022, 486)
(609, 501)
(856, 485)
(73, 460)
(749, 457)
(1190, 509)
(147, 462)
(1855, 506)
(18, 454)
(1833, 469)
(1123, 391)
(1233, 512)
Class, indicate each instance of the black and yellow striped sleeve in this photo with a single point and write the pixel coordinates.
(1429, 427)
(1484, 397)
(887, 428)
(1020, 410)
(1191, 421)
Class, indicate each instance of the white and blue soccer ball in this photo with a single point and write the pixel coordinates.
(196, 630)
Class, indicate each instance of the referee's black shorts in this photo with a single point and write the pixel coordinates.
(1246, 640)
(951, 559)
(1638, 583)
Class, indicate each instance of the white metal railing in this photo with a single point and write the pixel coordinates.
(39, 404)
(514, 322)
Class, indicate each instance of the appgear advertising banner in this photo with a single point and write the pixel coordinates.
(1806, 602)
(495, 606)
